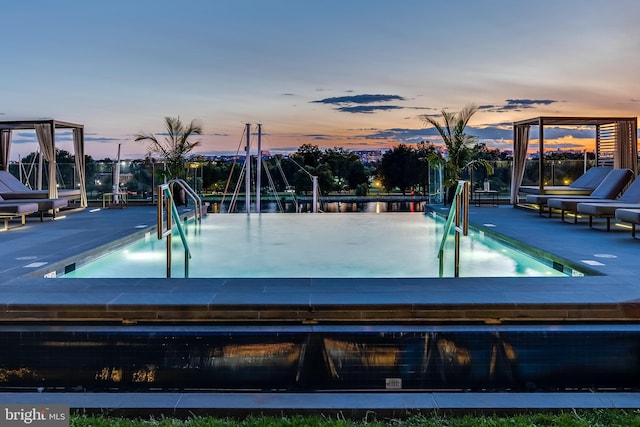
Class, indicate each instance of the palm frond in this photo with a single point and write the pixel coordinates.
(465, 114)
(455, 139)
(473, 164)
(175, 145)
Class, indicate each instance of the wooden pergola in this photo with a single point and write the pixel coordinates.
(46, 132)
(616, 144)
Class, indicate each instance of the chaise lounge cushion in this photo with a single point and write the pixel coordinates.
(609, 189)
(584, 184)
(606, 208)
(17, 209)
(13, 210)
(581, 187)
(12, 191)
(43, 205)
(12, 188)
(631, 216)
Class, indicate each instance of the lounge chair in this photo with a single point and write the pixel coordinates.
(14, 191)
(15, 210)
(631, 216)
(583, 186)
(43, 205)
(12, 188)
(609, 189)
(630, 199)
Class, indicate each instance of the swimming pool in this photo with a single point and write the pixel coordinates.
(359, 245)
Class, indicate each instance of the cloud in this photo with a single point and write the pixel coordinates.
(23, 140)
(101, 139)
(561, 132)
(359, 104)
(389, 137)
(516, 105)
(495, 136)
(318, 137)
(359, 99)
(528, 103)
(368, 109)
(212, 153)
(406, 136)
(23, 137)
(61, 136)
(491, 132)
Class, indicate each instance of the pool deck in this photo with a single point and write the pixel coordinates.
(28, 252)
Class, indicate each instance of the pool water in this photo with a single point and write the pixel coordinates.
(358, 245)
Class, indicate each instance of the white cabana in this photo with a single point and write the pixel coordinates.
(46, 133)
(616, 144)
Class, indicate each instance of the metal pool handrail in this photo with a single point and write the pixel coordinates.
(459, 213)
(197, 201)
(165, 200)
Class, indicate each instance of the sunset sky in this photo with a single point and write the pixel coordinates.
(356, 74)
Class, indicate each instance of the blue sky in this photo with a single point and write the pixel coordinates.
(349, 73)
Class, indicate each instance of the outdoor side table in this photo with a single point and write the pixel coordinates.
(107, 200)
(490, 196)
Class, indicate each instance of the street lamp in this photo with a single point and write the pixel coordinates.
(194, 166)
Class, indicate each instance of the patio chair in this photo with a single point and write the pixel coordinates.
(12, 188)
(583, 186)
(609, 189)
(43, 205)
(15, 210)
(631, 216)
(629, 199)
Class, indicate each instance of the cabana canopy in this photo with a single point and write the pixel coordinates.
(46, 133)
(616, 144)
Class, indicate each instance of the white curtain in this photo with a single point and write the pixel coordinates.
(5, 148)
(520, 146)
(44, 131)
(78, 148)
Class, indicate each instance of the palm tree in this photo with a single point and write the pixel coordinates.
(458, 144)
(175, 146)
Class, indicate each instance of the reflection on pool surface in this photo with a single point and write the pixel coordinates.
(317, 245)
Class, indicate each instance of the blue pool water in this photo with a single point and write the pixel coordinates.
(317, 245)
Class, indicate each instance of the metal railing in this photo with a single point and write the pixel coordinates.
(458, 214)
(197, 201)
(166, 212)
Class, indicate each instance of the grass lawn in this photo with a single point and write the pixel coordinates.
(586, 418)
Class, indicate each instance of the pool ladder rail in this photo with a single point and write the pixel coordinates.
(458, 214)
(190, 192)
(167, 211)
